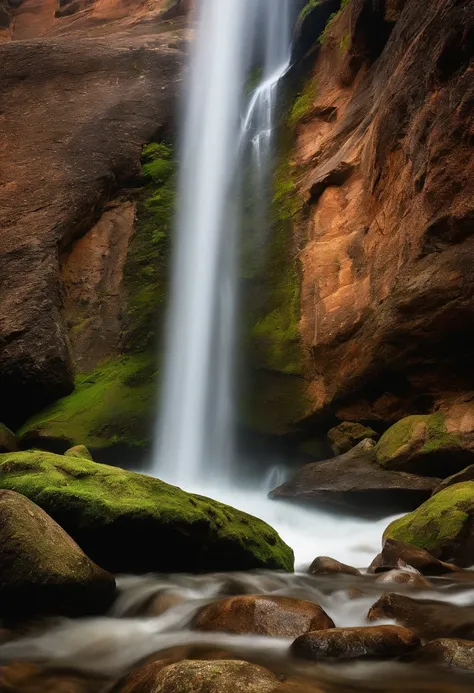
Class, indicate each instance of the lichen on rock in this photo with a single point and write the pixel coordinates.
(130, 522)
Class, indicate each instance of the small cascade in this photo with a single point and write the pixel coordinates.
(195, 437)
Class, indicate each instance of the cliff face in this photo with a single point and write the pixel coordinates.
(75, 113)
(384, 161)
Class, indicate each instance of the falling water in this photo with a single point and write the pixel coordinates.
(196, 429)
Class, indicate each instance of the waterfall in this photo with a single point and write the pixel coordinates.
(195, 432)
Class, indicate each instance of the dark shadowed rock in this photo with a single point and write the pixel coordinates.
(263, 615)
(466, 474)
(349, 643)
(42, 570)
(323, 565)
(26, 677)
(394, 551)
(194, 676)
(348, 434)
(355, 478)
(8, 440)
(427, 618)
(448, 652)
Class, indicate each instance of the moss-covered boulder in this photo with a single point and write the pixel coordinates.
(443, 525)
(8, 440)
(130, 522)
(426, 444)
(347, 434)
(42, 570)
(79, 451)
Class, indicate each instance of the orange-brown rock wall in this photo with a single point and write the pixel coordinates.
(388, 263)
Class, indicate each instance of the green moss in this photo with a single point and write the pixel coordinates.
(303, 103)
(111, 406)
(344, 44)
(84, 495)
(253, 80)
(422, 434)
(311, 5)
(438, 524)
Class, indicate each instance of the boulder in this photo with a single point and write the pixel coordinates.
(426, 444)
(448, 652)
(348, 434)
(348, 643)
(394, 551)
(323, 565)
(8, 440)
(79, 451)
(355, 479)
(442, 525)
(404, 575)
(201, 676)
(133, 523)
(427, 618)
(27, 677)
(283, 617)
(42, 570)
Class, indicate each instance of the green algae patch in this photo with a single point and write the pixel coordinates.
(442, 525)
(129, 522)
(111, 406)
(421, 443)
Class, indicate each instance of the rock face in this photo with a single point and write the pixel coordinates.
(76, 113)
(348, 643)
(442, 525)
(383, 166)
(355, 478)
(42, 570)
(224, 676)
(133, 523)
(434, 444)
(283, 617)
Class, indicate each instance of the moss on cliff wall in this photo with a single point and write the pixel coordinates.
(114, 404)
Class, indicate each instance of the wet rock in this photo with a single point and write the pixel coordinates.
(376, 563)
(349, 643)
(426, 444)
(448, 652)
(79, 451)
(8, 440)
(442, 525)
(115, 516)
(42, 570)
(25, 677)
(194, 676)
(427, 618)
(348, 434)
(284, 617)
(394, 551)
(404, 575)
(355, 478)
(323, 565)
(161, 603)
